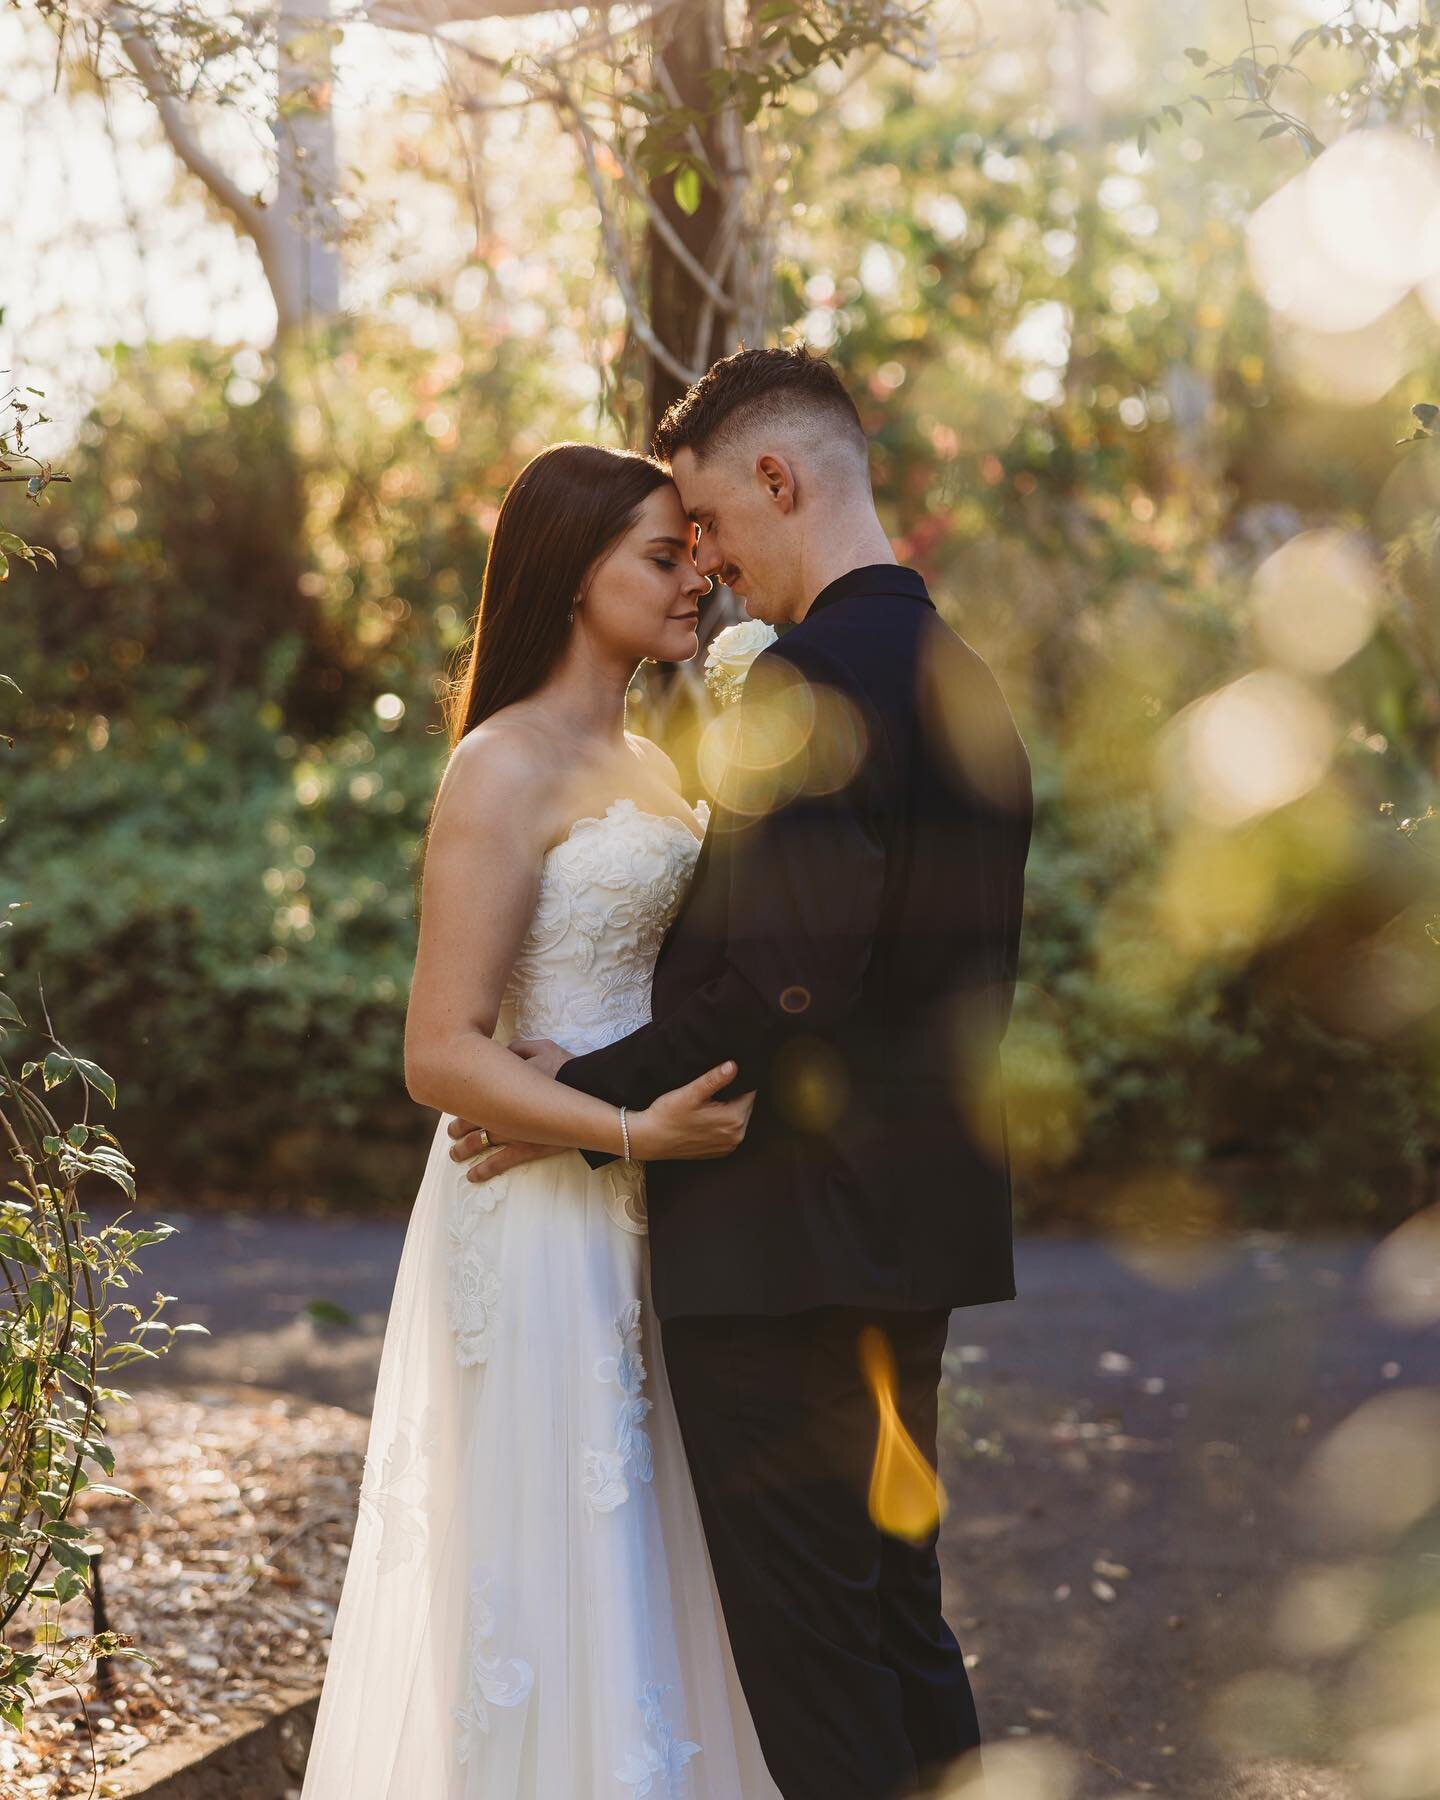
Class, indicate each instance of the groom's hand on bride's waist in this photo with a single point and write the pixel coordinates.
(472, 1141)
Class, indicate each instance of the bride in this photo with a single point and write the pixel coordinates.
(528, 1611)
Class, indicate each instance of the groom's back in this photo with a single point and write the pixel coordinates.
(876, 1169)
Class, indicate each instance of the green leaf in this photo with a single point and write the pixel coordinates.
(107, 1487)
(71, 1556)
(9, 1010)
(328, 1312)
(95, 1077)
(67, 1585)
(1198, 57)
(20, 1250)
(57, 1066)
(687, 190)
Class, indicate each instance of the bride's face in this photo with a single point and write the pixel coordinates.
(643, 597)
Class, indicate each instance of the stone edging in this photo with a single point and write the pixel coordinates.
(262, 1759)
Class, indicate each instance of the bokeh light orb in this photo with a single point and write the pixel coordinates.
(1316, 600)
(1246, 749)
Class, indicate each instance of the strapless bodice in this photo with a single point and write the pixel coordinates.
(608, 893)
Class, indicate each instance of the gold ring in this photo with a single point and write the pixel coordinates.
(484, 1139)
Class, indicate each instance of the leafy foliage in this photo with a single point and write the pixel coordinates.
(57, 1341)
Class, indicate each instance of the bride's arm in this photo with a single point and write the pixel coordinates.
(482, 873)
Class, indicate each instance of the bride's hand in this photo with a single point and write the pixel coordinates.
(689, 1123)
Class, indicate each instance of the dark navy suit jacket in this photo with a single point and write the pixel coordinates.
(850, 938)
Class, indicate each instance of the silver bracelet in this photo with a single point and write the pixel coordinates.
(624, 1134)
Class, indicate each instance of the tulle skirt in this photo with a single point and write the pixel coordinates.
(528, 1610)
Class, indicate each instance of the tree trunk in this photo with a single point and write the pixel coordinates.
(302, 253)
(685, 319)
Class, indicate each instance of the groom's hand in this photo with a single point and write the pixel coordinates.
(541, 1054)
(495, 1159)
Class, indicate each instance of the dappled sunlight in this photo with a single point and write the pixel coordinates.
(751, 765)
(1391, 979)
(1044, 1097)
(1316, 600)
(972, 738)
(1347, 238)
(1265, 1713)
(1353, 368)
(1136, 964)
(1034, 1770)
(1253, 745)
(1402, 1278)
(1378, 1472)
(810, 1084)
(1216, 894)
(791, 738)
(1394, 1702)
(1325, 1609)
(1168, 1226)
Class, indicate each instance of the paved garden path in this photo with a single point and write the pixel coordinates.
(1149, 1601)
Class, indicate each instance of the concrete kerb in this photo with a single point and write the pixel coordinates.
(262, 1758)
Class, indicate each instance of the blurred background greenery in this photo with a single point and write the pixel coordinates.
(1135, 412)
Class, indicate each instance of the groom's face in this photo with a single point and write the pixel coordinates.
(743, 538)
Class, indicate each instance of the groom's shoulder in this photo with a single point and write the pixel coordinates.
(859, 638)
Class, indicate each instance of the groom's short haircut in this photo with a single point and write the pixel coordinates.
(772, 388)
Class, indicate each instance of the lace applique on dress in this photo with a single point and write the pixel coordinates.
(474, 1290)
(488, 1681)
(625, 1196)
(605, 1480)
(396, 1493)
(657, 1767)
(608, 893)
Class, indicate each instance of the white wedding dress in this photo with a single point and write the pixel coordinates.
(528, 1611)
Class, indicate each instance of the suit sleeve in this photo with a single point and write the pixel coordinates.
(806, 877)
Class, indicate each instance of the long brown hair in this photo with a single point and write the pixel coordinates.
(564, 509)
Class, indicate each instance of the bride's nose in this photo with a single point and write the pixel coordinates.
(696, 583)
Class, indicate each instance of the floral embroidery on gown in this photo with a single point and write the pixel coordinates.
(528, 1611)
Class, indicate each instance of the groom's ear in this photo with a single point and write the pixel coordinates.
(778, 479)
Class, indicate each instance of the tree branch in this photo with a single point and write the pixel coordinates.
(180, 130)
(688, 261)
(428, 16)
(619, 265)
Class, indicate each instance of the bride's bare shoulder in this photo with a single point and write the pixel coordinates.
(499, 771)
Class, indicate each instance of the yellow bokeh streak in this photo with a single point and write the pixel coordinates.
(906, 1497)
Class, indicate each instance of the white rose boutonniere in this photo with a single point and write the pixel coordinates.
(731, 652)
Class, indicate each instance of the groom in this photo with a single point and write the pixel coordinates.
(850, 939)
